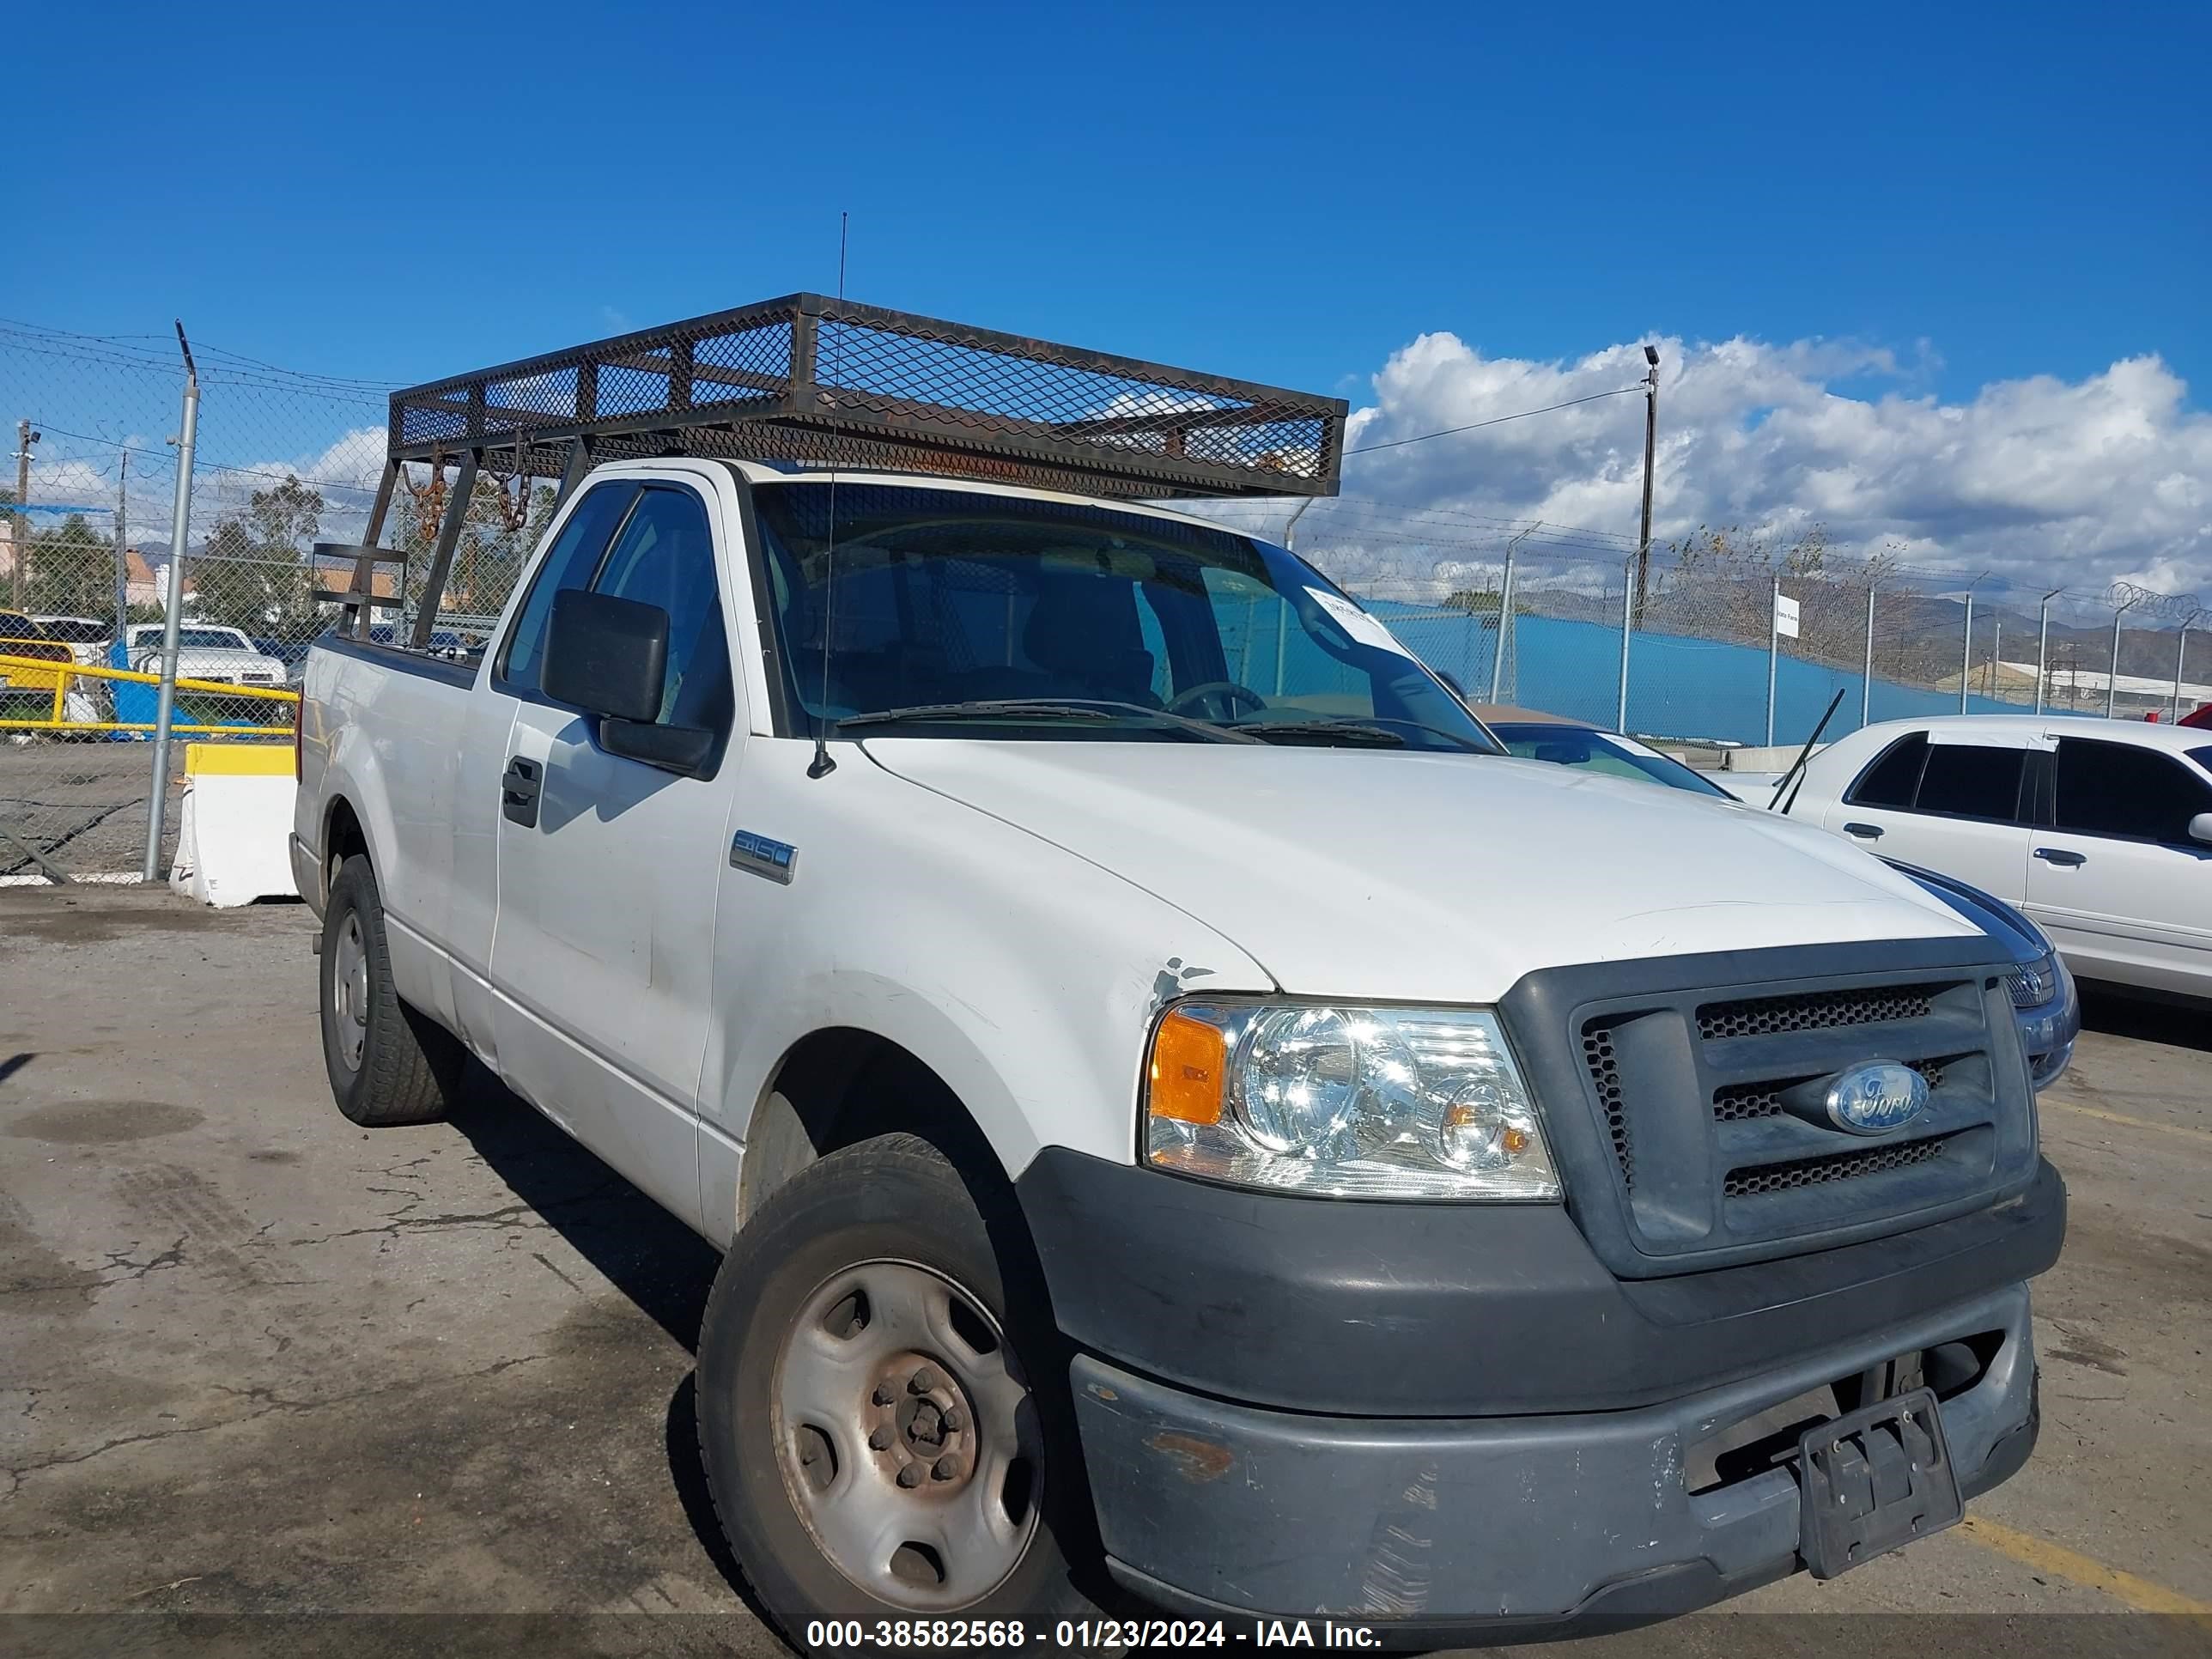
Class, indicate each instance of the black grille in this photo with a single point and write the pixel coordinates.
(1605, 1072)
(1814, 1011)
(2032, 984)
(1738, 1100)
(1836, 1166)
(1742, 1100)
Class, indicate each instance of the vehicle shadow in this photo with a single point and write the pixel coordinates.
(640, 1248)
(663, 1266)
(2117, 1012)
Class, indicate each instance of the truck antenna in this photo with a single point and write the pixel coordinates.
(822, 765)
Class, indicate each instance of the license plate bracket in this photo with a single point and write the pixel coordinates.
(1873, 1480)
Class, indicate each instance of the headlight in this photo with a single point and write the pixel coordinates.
(1345, 1102)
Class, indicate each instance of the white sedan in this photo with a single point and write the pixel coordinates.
(2100, 831)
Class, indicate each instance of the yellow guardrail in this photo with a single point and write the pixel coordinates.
(37, 673)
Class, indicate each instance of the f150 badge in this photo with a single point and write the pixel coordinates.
(776, 859)
(1876, 1096)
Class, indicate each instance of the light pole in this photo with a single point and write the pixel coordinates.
(2042, 643)
(1651, 440)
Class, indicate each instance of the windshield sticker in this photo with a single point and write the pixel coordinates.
(1358, 623)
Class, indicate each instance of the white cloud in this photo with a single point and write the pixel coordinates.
(2041, 480)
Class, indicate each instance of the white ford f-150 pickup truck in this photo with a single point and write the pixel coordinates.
(1191, 1121)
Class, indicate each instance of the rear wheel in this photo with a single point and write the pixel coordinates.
(388, 1064)
(877, 1412)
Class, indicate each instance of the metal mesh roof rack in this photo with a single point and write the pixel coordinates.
(829, 382)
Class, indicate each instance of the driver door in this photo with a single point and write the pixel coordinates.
(602, 959)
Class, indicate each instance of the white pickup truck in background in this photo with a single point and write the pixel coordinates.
(205, 651)
(1191, 1120)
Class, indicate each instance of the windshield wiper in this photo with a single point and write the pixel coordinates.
(1372, 731)
(1040, 708)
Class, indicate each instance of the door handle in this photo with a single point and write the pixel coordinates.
(519, 788)
(1863, 831)
(2060, 855)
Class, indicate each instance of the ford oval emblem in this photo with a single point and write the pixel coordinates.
(1875, 1096)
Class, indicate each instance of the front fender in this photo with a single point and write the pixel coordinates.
(1026, 978)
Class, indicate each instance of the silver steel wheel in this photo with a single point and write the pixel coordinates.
(349, 990)
(910, 1447)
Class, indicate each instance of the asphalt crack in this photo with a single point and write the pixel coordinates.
(267, 1402)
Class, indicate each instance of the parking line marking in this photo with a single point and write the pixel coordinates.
(2057, 1560)
(2102, 1115)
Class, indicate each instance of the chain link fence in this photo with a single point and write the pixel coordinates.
(1689, 646)
(87, 530)
(1735, 639)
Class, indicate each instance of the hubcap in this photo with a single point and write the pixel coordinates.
(350, 991)
(909, 1444)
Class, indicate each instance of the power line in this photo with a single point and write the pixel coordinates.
(359, 484)
(1495, 420)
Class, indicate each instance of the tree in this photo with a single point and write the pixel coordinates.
(252, 571)
(72, 570)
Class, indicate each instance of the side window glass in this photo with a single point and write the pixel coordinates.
(1893, 780)
(665, 557)
(569, 563)
(2120, 789)
(1972, 781)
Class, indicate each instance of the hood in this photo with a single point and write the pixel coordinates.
(1396, 876)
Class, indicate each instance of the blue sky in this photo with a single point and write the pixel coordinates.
(1967, 197)
(1287, 191)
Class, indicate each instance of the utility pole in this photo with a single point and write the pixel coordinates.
(21, 549)
(1651, 439)
(122, 536)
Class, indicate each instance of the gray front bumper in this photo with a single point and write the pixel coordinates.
(1452, 1528)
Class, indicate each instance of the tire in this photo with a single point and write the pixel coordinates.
(832, 1284)
(388, 1063)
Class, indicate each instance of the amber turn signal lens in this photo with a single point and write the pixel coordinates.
(1188, 1059)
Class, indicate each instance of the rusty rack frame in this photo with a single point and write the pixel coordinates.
(829, 383)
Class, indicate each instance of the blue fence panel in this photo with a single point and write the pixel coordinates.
(1677, 686)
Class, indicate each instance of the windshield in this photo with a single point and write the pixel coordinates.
(1597, 751)
(946, 597)
(211, 639)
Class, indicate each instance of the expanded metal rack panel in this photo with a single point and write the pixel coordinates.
(825, 382)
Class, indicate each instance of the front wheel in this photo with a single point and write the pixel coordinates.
(876, 1413)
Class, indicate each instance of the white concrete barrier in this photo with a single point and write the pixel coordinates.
(237, 815)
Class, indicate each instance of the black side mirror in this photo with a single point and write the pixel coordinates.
(604, 655)
(609, 657)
